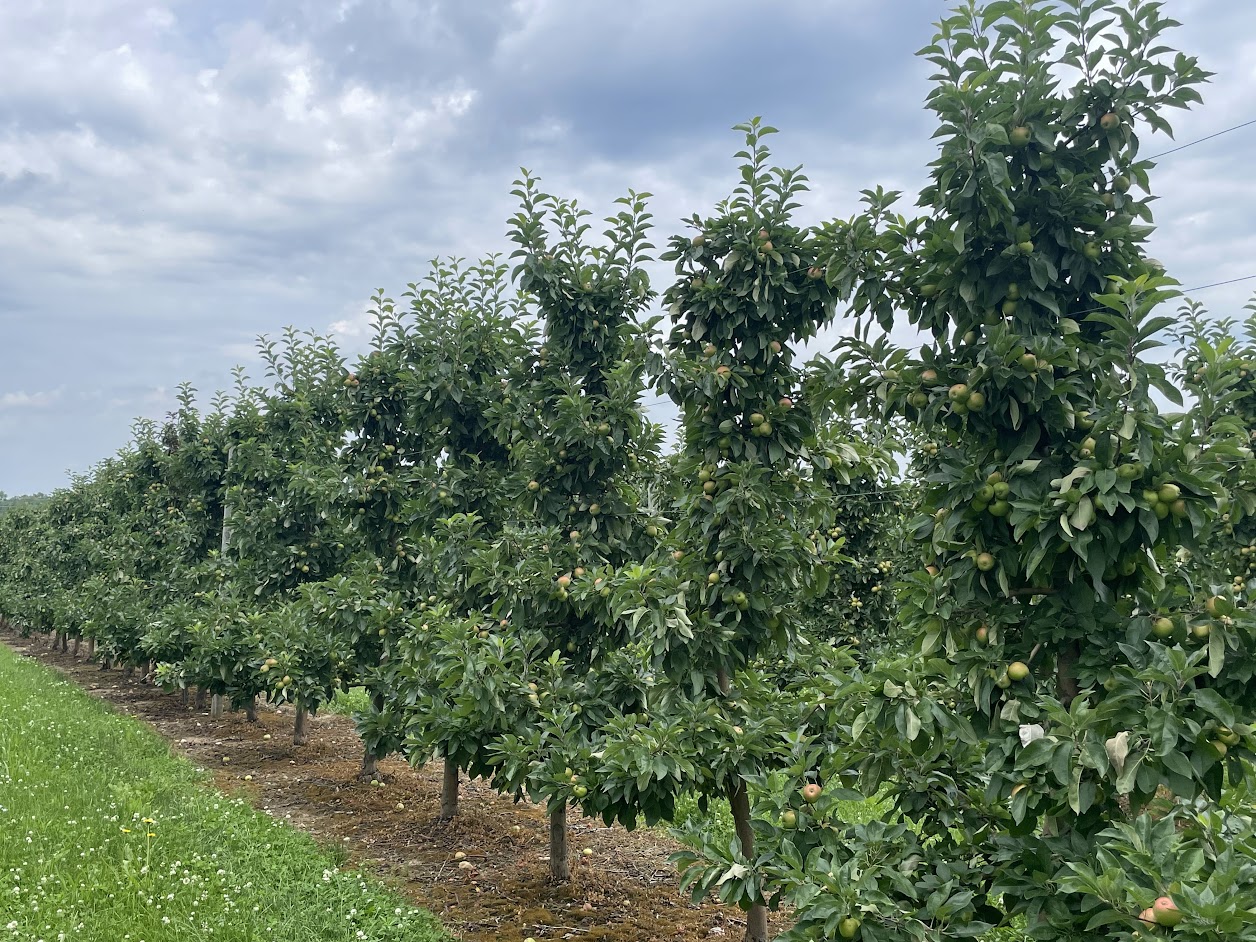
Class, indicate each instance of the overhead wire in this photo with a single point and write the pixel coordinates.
(1174, 150)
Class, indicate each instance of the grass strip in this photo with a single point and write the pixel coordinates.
(105, 835)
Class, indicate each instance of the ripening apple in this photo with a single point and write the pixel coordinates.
(1019, 136)
(985, 562)
(811, 793)
(1018, 670)
(1092, 251)
(789, 819)
(1110, 121)
(848, 928)
(1166, 912)
(1218, 606)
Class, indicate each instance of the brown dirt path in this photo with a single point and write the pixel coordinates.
(624, 892)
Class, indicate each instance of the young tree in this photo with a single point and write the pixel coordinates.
(578, 438)
(749, 290)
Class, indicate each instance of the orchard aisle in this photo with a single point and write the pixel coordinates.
(625, 890)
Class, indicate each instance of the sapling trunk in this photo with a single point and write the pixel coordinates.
(449, 791)
(184, 697)
(65, 643)
(300, 728)
(91, 648)
(1066, 673)
(250, 709)
(370, 760)
(201, 693)
(560, 864)
(77, 639)
(739, 805)
(370, 765)
(215, 707)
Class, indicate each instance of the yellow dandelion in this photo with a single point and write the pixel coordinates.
(148, 821)
(126, 830)
(151, 834)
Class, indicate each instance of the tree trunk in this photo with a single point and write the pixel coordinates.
(128, 672)
(1066, 673)
(215, 707)
(560, 865)
(91, 648)
(449, 791)
(65, 643)
(300, 729)
(184, 697)
(77, 640)
(739, 804)
(250, 709)
(200, 699)
(370, 766)
(370, 761)
(53, 646)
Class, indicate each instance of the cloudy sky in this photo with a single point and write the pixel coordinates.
(177, 178)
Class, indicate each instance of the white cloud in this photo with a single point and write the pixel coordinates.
(28, 400)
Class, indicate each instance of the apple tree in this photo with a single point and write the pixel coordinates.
(1058, 687)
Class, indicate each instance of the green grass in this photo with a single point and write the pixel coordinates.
(104, 835)
(347, 703)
